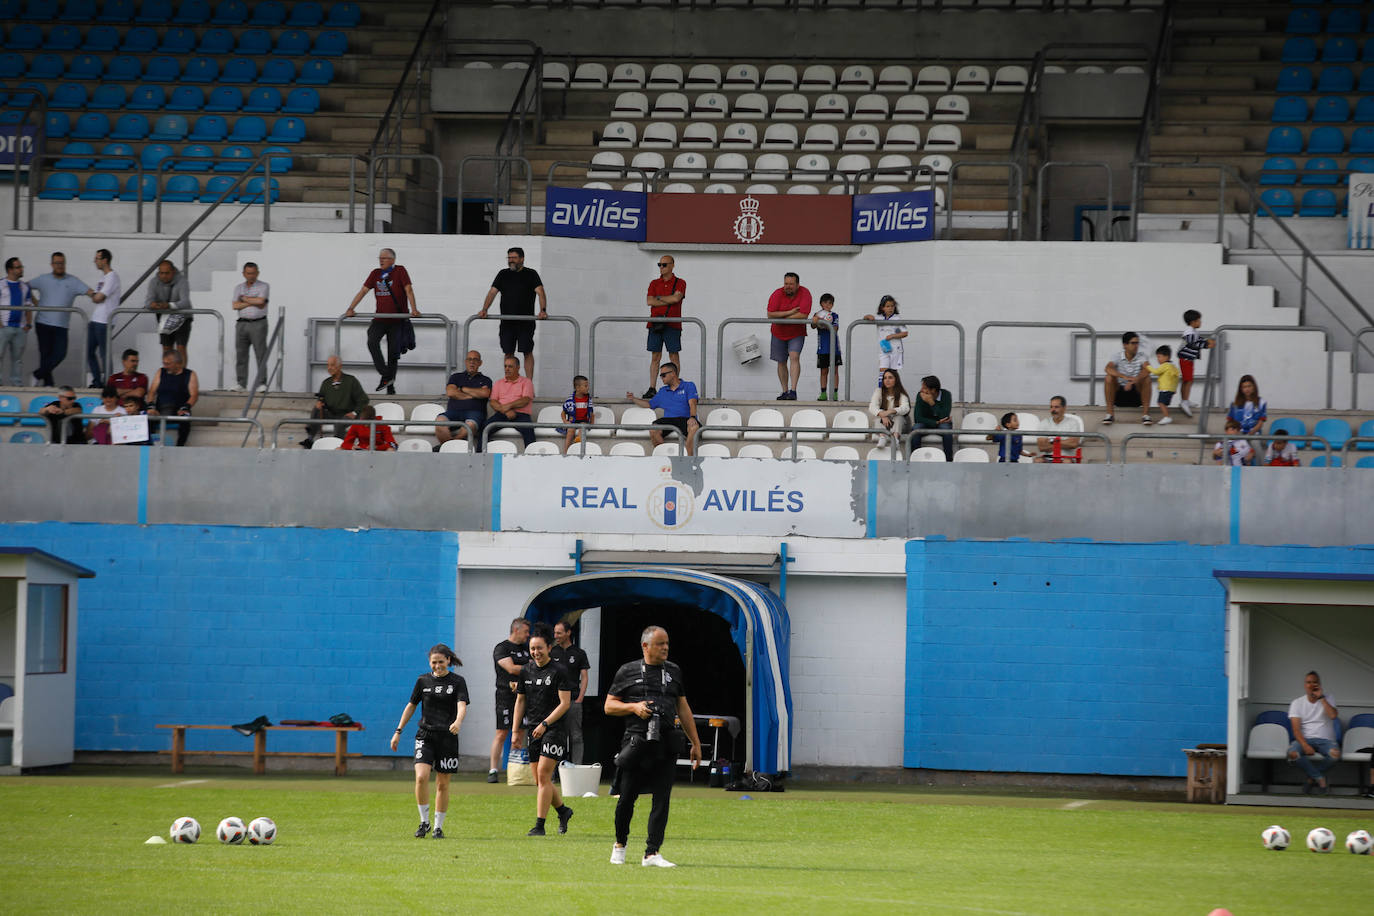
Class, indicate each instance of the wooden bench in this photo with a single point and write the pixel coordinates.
(260, 752)
(1206, 773)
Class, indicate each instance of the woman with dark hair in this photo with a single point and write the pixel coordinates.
(444, 696)
(543, 695)
(890, 406)
(931, 410)
(1248, 409)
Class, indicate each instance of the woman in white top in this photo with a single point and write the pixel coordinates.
(890, 405)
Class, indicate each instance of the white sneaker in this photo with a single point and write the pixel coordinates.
(656, 860)
(1186, 407)
(1164, 421)
(617, 855)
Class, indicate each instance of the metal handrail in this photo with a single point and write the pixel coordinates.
(1216, 366)
(276, 340)
(496, 188)
(71, 309)
(493, 424)
(134, 310)
(1204, 437)
(39, 103)
(926, 322)
(591, 339)
(1040, 189)
(1355, 368)
(1149, 116)
(385, 122)
(358, 421)
(914, 172)
(805, 322)
(162, 420)
(424, 318)
(648, 175)
(1013, 169)
(1138, 168)
(565, 319)
(372, 185)
(169, 163)
(792, 434)
(1348, 447)
(1024, 434)
(1092, 352)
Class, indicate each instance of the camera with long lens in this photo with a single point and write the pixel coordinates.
(653, 729)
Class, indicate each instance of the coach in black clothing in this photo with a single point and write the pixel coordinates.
(518, 286)
(575, 660)
(507, 658)
(652, 692)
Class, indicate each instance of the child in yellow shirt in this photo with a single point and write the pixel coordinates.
(1167, 375)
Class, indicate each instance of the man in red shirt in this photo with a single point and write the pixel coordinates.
(665, 301)
(130, 381)
(791, 300)
(391, 283)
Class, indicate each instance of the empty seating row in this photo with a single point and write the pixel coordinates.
(1303, 50)
(1316, 202)
(1331, 109)
(785, 78)
(260, 100)
(677, 187)
(780, 136)
(125, 68)
(173, 128)
(544, 447)
(305, 14)
(1280, 170)
(1335, 430)
(765, 167)
(196, 157)
(145, 40)
(791, 106)
(103, 186)
(1320, 140)
(1339, 22)
(1336, 78)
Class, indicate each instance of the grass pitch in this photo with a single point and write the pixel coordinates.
(74, 842)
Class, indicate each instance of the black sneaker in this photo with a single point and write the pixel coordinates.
(421, 830)
(307, 443)
(438, 833)
(536, 831)
(492, 777)
(563, 817)
(390, 389)
(384, 384)
(650, 392)
(781, 397)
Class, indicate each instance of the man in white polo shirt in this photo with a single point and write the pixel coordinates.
(1061, 440)
(106, 296)
(1311, 715)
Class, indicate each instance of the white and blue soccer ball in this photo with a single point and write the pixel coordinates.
(1359, 842)
(1319, 839)
(231, 831)
(185, 830)
(262, 831)
(1276, 838)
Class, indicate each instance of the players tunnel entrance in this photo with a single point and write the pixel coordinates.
(729, 636)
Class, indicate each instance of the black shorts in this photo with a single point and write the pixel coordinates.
(517, 336)
(438, 749)
(823, 360)
(554, 744)
(505, 711)
(1166, 398)
(179, 337)
(666, 424)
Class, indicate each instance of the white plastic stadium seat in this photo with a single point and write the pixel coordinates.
(665, 76)
(628, 449)
(830, 107)
(730, 167)
(817, 78)
(575, 451)
(771, 167)
(659, 135)
(713, 450)
(884, 189)
(636, 416)
(720, 187)
(754, 450)
(390, 412)
(1032, 422)
(671, 105)
(856, 78)
(853, 164)
(618, 134)
(648, 161)
(1268, 741)
(765, 416)
(811, 167)
(811, 419)
(894, 167)
(626, 76)
(972, 79)
(791, 106)
(750, 106)
(933, 78)
(944, 137)
(739, 135)
(501, 447)
(607, 164)
(779, 78)
(879, 453)
(977, 419)
(668, 449)
(1011, 78)
(902, 137)
(803, 451)
(928, 453)
(555, 75)
(761, 189)
(860, 137)
(589, 76)
(824, 138)
(543, 447)
(722, 416)
(841, 453)
(950, 108)
(326, 443)
(849, 420)
(598, 186)
(741, 76)
(938, 163)
(971, 456)
(456, 447)
(698, 135)
(604, 418)
(689, 167)
(911, 107)
(709, 105)
(779, 137)
(411, 444)
(1356, 738)
(549, 413)
(804, 189)
(679, 187)
(423, 412)
(636, 186)
(894, 78)
(871, 107)
(703, 76)
(630, 105)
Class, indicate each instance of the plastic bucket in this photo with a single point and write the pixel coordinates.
(577, 780)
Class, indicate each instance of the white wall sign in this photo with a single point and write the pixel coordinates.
(1361, 210)
(613, 495)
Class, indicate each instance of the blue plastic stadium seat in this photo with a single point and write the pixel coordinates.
(242, 156)
(147, 98)
(85, 67)
(345, 15)
(101, 39)
(1298, 51)
(239, 71)
(10, 404)
(46, 67)
(1319, 202)
(130, 126)
(225, 98)
(330, 44)
(29, 436)
(140, 39)
(200, 70)
(1321, 462)
(186, 98)
(1361, 164)
(1344, 22)
(1284, 140)
(12, 65)
(230, 12)
(26, 93)
(124, 68)
(1337, 78)
(1294, 79)
(1303, 22)
(132, 191)
(1278, 170)
(306, 14)
(10, 116)
(266, 100)
(115, 157)
(1368, 54)
(180, 40)
(301, 100)
(1289, 109)
(280, 164)
(59, 124)
(68, 95)
(170, 128)
(1366, 83)
(217, 187)
(153, 154)
(316, 73)
(268, 13)
(1365, 462)
(44, 10)
(192, 12)
(254, 42)
(36, 403)
(277, 72)
(1362, 141)
(63, 38)
(162, 69)
(1333, 430)
(1326, 140)
(93, 125)
(181, 189)
(116, 11)
(1321, 171)
(1366, 432)
(25, 37)
(76, 156)
(248, 129)
(287, 130)
(216, 41)
(252, 192)
(154, 11)
(1340, 50)
(210, 128)
(78, 11)
(60, 186)
(1278, 200)
(100, 187)
(88, 403)
(1291, 427)
(1331, 109)
(194, 158)
(293, 43)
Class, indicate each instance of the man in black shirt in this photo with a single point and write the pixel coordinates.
(508, 658)
(575, 660)
(651, 691)
(518, 286)
(544, 695)
(468, 392)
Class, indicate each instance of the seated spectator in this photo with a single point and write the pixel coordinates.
(174, 392)
(134, 406)
(468, 392)
(359, 434)
(73, 433)
(1281, 454)
(340, 397)
(109, 407)
(677, 397)
(511, 397)
(578, 408)
(1310, 717)
(1249, 409)
(1061, 444)
(129, 381)
(1010, 422)
(1233, 450)
(890, 406)
(1127, 380)
(931, 410)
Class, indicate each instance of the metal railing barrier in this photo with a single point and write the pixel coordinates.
(494, 425)
(1092, 352)
(1214, 437)
(1040, 190)
(1351, 445)
(563, 319)
(397, 426)
(834, 382)
(1015, 184)
(1355, 368)
(910, 435)
(496, 188)
(162, 421)
(793, 435)
(683, 319)
(917, 322)
(376, 158)
(1216, 365)
(264, 377)
(425, 318)
(647, 176)
(130, 310)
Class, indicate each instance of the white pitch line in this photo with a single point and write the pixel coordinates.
(1077, 804)
(184, 782)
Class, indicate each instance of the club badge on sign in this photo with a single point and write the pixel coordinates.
(748, 225)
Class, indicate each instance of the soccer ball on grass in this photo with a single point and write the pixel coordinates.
(1276, 838)
(185, 830)
(231, 831)
(262, 831)
(1359, 842)
(1319, 839)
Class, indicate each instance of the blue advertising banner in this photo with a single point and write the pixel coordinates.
(908, 216)
(589, 214)
(16, 144)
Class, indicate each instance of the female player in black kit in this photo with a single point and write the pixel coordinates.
(445, 698)
(543, 694)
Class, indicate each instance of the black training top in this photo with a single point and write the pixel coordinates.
(517, 290)
(439, 698)
(660, 684)
(540, 687)
(516, 652)
(572, 658)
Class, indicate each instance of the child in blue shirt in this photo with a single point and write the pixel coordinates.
(827, 316)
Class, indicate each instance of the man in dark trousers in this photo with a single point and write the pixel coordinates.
(507, 658)
(395, 295)
(518, 286)
(650, 691)
(575, 660)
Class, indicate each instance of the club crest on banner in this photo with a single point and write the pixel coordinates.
(749, 225)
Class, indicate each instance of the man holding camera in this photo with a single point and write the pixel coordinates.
(652, 692)
(665, 301)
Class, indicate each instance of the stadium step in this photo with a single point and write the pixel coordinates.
(1217, 53)
(1206, 83)
(1207, 113)
(1193, 143)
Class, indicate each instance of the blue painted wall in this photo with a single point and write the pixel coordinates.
(207, 625)
(1074, 657)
